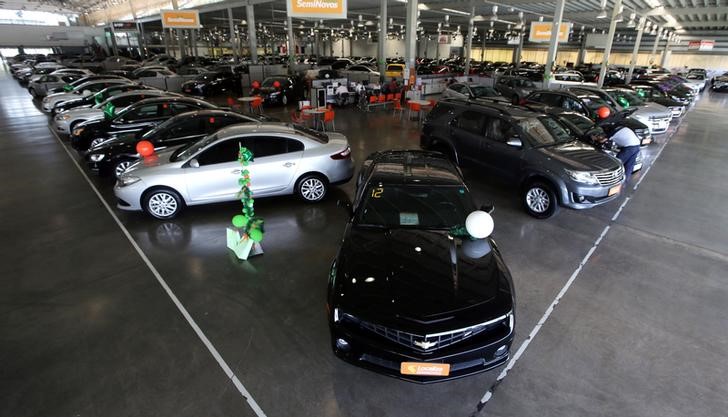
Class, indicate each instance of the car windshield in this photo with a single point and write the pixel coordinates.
(268, 82)
(160, 127)
(192, 148)
(582, 123)
(483, 91)
(414, 206)
(545, 131)
(695, 76)
(628, 98)
(595, 102)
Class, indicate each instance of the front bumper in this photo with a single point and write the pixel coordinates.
(659, 125)
(130, 197)
(377, 354)
(62, 126)
(579, 196)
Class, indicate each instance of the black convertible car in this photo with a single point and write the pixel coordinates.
(117, 154)
(410, 294)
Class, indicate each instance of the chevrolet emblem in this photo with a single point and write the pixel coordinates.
(424, 344)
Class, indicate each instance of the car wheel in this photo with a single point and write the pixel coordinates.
(284, 100)
(540, 200)
(312, 188)
(121, 166)
(162, 203)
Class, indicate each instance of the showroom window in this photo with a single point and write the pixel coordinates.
(23, 17)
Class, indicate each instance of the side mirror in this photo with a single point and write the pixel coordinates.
(346, 205)
(86, 92)
(194, 163)
(515, 142)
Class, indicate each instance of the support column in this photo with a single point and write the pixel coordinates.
(666, 55)
(233, 44)
(581, 56)
(636, 50)
(608, 46)
(410, 38)
(382, 39)
(519, 50)
(113, 40)
(165, 36)
(654, 47)
(252, 39)
(469, 50)
(292, 46)
(554, 42)
(180, 37)
(482, 48)
(193, 42)
(316, 45)
(140, 31)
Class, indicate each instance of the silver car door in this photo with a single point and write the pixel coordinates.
(216, 178)
(277, 159)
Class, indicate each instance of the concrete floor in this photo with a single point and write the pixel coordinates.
(86, 329)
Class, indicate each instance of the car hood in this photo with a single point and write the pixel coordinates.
(154, 164)
(84, 112)
(419, 276)
(652, 110)
(579, 156)
(58, 97)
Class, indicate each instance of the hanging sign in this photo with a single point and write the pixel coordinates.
(323, 9)
(701, 45)
(181, 19)
(541, 32)
(443, 39)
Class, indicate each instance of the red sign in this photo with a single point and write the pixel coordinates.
(701, 45)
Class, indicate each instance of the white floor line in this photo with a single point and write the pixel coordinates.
(524, 345)
(213, 351)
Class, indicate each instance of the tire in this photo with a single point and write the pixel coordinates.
(162, 203)
(312, 188)
(120, 166)
(540, 200)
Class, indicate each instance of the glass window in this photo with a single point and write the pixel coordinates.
(421, 207)
(269, 146)
(220, 153)
(50, 79)
(144, 112)
(553, 100)
(294, 145)
(499, 130)
(570, 104)
(483, 91)
(544, 131)
(178, 108)
(471, 122)
(190, 127)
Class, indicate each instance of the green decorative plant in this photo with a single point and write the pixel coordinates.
(250, 226)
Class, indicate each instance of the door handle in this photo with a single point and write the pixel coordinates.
(235, 171)
(289, 164)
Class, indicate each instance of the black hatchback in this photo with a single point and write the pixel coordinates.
(410, 293)
(115, 155)
(139, 117)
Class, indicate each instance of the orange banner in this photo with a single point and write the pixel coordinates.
(541, 32)
(181, 19)
(326, 9)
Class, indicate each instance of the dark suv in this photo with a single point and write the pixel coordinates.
(410, 294)
(587, 103)
(525, 147)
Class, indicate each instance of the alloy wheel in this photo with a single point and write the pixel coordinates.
(162, 204)
(121, 168)
(538, 200)
(313, 189)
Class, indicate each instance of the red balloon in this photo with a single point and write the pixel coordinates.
(603, 112)
(255, 85)
(276, 84)
(145, 148)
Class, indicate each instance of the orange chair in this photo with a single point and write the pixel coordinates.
(329, 117)
(390, 97)
(382, 98)
(257, 104)
(397, 108)
(297, 117)
(398, 96)
(372, 99)
(414, 108)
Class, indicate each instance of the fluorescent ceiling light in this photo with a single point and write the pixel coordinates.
(455, 11)
(423, 6)
(602, 14)
(653, 3)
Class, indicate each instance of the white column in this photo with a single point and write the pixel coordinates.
(469, 50)
(554, 42)
(610, 40)
(382, 39)
(636, 50)
(410, 37)
(252, 39)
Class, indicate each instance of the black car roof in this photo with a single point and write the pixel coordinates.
(492, 104)
(413, 167)
(172, 99)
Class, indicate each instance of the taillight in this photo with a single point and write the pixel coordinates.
(345, 154)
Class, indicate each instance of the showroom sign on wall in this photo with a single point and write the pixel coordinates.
(541, 32)
(324, 9)
(181, 19)
(701, 45)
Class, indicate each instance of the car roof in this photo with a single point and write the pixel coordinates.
(495, 105)
(262, 127)
(171, 98)
(151, 92)
(414, 167)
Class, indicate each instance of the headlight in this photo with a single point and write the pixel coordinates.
(582, 177)
(126, 180)
(78, 131)
(337, 316)
(96, 157)
(63, 117)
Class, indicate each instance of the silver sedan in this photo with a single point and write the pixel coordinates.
(288, 159)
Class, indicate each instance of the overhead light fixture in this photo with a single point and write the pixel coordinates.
(653, 3)
(495, 14)
(423, 6)
(540, 18)
(447, 20)
(602, 10)
(631, 22)
(445, 9)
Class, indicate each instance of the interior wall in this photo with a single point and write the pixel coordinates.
(47, 36)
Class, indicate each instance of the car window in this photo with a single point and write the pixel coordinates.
(553, 100)
(125, 100)
(269, 146)
(499, 130)
(223, 152)
(141, 113)
(483, 91)
(471, 122)
(414, 206)
(582, 123)
(51, 78)
(569, 103)
(178, 108)
(190, 127)
(294, 145)
(544, 130)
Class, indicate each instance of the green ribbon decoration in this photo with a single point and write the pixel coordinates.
(251, 226)
(67, 87)
(109, 111)
(98, 98)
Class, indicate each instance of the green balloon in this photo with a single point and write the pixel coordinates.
(240, 220)
(256, 235)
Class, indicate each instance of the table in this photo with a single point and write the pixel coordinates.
(316, 113)
(250, 101)
(422, 103)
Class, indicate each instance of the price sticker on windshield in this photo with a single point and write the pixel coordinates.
(377, 192)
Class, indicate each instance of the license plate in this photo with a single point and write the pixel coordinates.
(424, 369)
(615, 190)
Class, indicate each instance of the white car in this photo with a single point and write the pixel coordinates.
(288, 159)
(696, 81)
(82, 90)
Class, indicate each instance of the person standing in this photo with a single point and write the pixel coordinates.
(629, 148)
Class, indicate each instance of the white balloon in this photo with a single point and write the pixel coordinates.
(479, 224)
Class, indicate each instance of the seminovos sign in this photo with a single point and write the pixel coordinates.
(180, 19)
(324, 9)
(541, 32)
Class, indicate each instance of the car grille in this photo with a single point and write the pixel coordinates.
(610, 178)
(429, 343)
